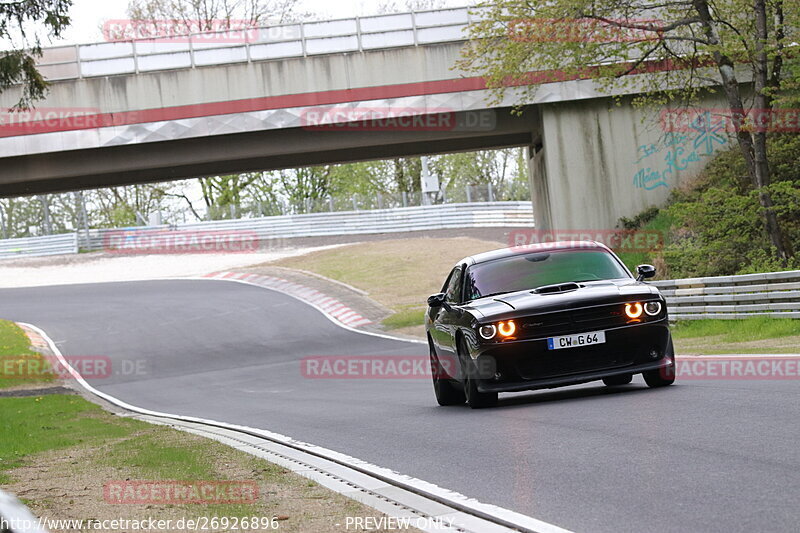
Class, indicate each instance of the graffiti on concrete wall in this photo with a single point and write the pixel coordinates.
(677, 150)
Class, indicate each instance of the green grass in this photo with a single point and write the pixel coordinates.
(397, 273)
(661, 223)
(15, 348)
(31, 425)
(85, 441)
(155, 457)
(748, 329)
(405, 318)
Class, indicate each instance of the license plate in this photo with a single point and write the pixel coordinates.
(577, 340)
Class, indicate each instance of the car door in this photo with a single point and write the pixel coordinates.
(447, 316)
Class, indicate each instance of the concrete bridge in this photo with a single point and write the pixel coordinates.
(302, 94)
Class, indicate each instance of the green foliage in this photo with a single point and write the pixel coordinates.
(660, 222)
(506, 171)
(716, 228)
(664, 53)
(641, 219)
(18, 64)
(524, 44)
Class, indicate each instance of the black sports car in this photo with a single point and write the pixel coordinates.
(545, 316)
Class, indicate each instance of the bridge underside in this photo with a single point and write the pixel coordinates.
(251, 151)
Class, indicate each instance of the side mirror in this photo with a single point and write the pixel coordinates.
(436, 300)
(645, 271)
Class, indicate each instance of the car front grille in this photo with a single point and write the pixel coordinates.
(572, 321)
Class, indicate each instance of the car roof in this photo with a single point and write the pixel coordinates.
(532, 248)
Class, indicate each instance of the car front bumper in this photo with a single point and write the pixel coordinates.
(529, 365)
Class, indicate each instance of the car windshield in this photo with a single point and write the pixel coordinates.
(523, 272)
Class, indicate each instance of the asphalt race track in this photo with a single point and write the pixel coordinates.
(697, 456)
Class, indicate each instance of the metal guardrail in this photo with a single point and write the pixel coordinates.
(255, 44)
(36, 246)
(395, 220)
(273, 228)
(774, 294)
(15, 517)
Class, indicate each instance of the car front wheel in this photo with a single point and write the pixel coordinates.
(475, 398)
(446, 392)
(662, 376)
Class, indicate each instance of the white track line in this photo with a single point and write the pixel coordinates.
(493, 512)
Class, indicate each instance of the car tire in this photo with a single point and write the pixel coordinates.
(446, 392)
(616, 381)
(663, 376)
(475, 398)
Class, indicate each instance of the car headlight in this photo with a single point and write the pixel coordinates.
(487, 331)
(506, 329)
(652, 308)
(633, 310)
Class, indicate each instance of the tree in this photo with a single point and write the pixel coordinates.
(18, 23)
(130, 205)
(214, 14)
(223, 191)
(219, 192)
(394, 6)
(506, 171)
(669, 51)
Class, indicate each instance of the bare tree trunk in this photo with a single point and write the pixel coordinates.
(753, 146)
(763, 104)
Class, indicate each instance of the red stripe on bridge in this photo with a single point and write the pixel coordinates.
(101, 120)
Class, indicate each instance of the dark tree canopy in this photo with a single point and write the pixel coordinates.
(669, 52)
(21, 23)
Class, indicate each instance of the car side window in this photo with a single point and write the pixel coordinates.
(453, 291)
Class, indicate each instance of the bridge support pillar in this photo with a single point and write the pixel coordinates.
(597, 160)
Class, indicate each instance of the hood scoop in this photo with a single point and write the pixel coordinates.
(556, 289)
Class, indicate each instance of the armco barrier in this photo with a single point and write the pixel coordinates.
(774, 294)
(395, 220)
(36, 246)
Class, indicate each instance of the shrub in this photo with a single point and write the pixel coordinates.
(715, 224)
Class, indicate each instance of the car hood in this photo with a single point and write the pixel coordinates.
(588, 293)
